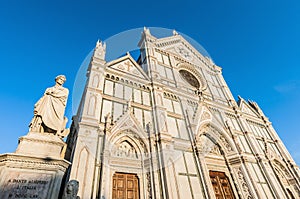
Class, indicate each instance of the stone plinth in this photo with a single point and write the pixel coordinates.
(41, 145)
(35, 170)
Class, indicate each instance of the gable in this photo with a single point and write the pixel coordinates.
(205, 115)
(128, 121)
(128, 129)
(128, 66)
(183, 49)
(246, 108)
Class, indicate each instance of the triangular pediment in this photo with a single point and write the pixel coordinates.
(210, 121)
(127, 65)
(127, 128)
(180, 47)
(204, 115)
(246, 108)
(126, 122)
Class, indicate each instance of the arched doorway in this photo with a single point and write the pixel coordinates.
(126, 166)
(213, 149)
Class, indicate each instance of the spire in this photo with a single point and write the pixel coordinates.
(100, 50)
(146, 36)
(146, 31)
(175, 32)
(254, 105)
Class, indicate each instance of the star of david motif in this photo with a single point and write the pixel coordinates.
(185, 53)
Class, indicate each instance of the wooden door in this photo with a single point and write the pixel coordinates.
(125, 186)
(221, 185)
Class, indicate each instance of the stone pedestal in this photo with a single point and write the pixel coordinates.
(43, 145)
(35, 170)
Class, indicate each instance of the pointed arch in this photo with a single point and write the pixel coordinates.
(281, 170)
(128, 121)
(130, 141)
(128, 128)
(217, 136)
(126, 149)
(207, 145)
(84, 157)
(285, 178)
(128, 144)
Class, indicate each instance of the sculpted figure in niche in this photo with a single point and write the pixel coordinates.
(71, 190)
(49, 110)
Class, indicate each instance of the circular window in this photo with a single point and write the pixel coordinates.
(190, 78)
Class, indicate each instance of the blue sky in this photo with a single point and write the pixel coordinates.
(255, 42)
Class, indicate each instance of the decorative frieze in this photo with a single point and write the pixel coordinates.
(243, 184)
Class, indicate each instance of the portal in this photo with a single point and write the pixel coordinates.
(125, 186)
(221, 185)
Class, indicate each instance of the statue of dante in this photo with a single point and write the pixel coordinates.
(49, 110)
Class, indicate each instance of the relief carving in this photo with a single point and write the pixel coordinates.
(205, 116)
(226, 144)
(243, 183)
(135, 72)
(129, 123)
(125, 149)
(281, 170)
(215, 150)
(206, 146)
(148, 177)
(121, 67)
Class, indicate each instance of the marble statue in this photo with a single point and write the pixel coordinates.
(49, 110)
(71, 190)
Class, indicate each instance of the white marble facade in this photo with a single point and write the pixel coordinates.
(172, 123)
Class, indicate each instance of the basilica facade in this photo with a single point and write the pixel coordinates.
(165, 125)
